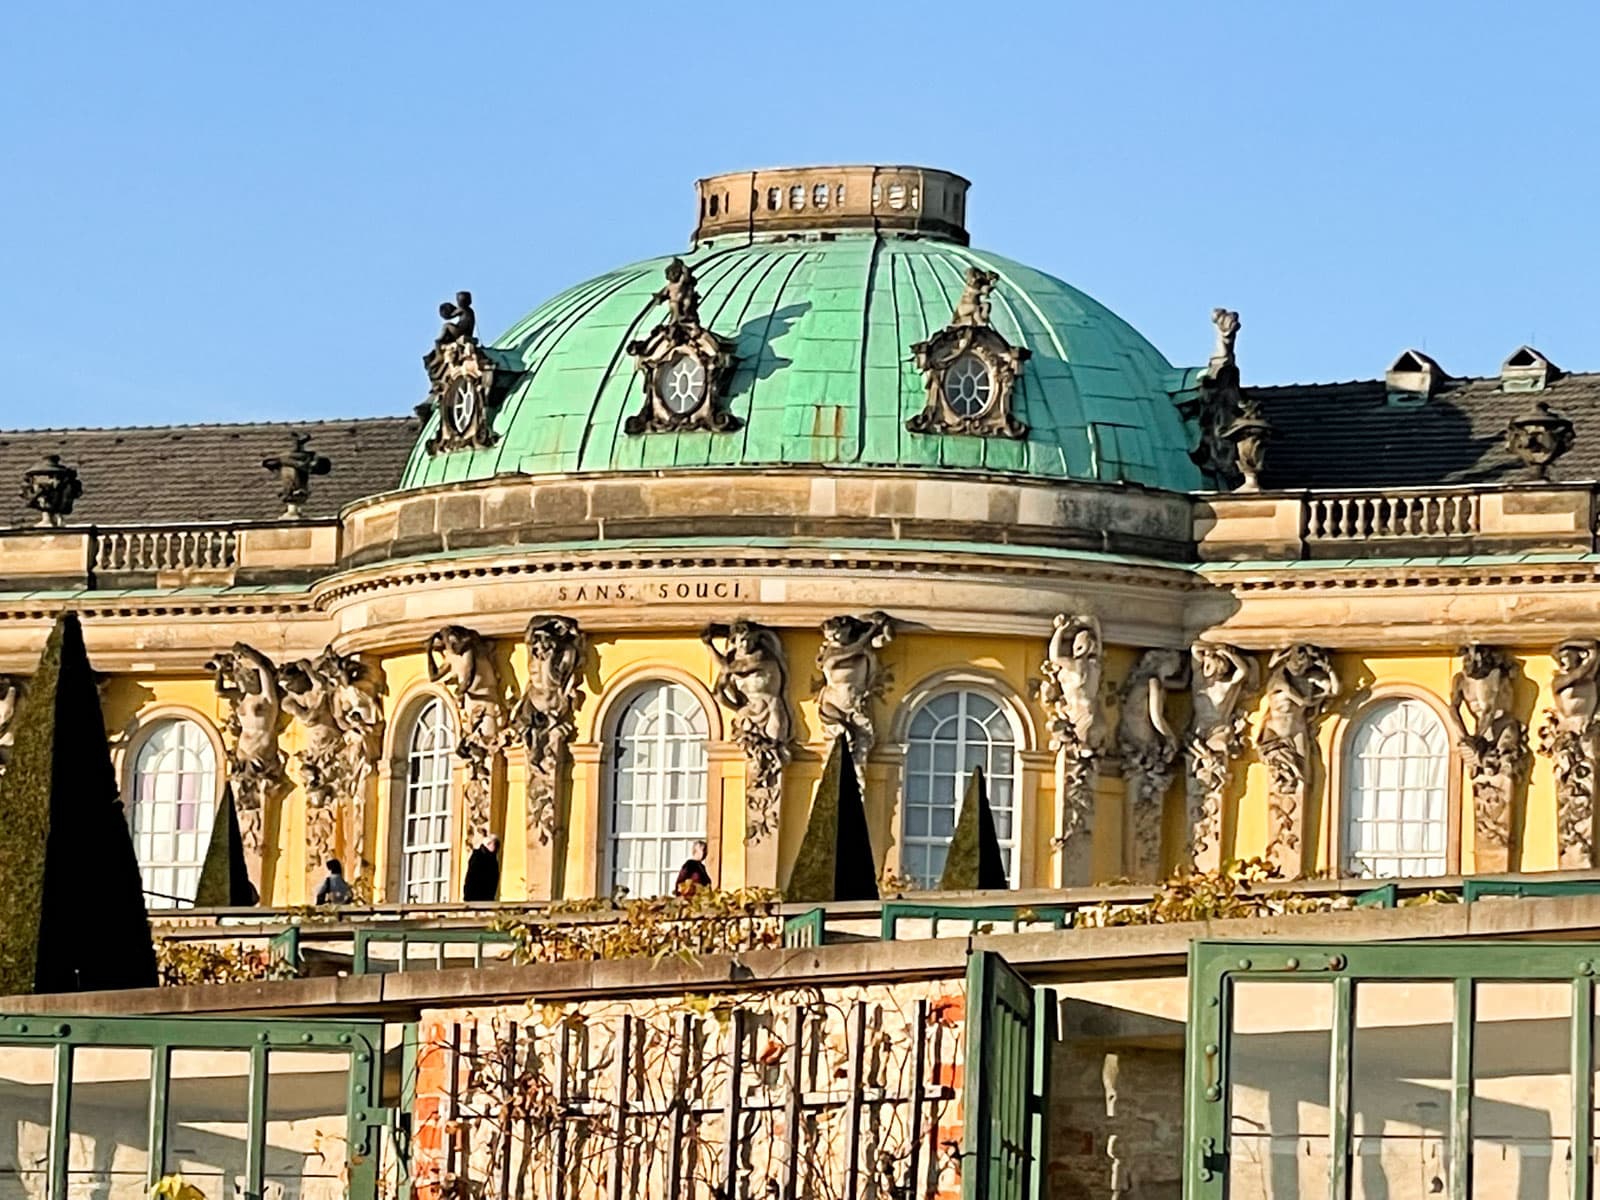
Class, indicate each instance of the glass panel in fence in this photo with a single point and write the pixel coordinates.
(1279, 1123)
(208, 1106)
(1400, 1090)
(108, 1123)
(27, 1079)
(306, 1133)
(1522, 1091)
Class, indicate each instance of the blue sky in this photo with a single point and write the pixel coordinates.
(249, 212)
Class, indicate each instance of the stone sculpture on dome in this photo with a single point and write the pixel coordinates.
(461, 379)
(969, 370)
(543, 715)
(752, 681)
(685, 365)
(463, 661)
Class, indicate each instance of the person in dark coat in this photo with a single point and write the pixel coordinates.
(483, 873)
(693, 873)
(335, 889)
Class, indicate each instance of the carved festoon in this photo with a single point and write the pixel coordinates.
(1538, 438)
(51, 488)
(1567, 738)
(1070, 692)
(294, 471)
(752, 682)
(1148, 746)
(461, 381)
(335, 698)
(850, 678)
(10, 696)
(543, 715)
(248, 681)
(1494, 745)
(1300, 684)
(685, 365)
(1221, 677)
(461, 659)
(969, 370)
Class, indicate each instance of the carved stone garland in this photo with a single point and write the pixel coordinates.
(461, 659)
(752, 682)
(543, 716)
(970, 371)
(1148, 746)
(1300, 684)
(335, 697)
(1495, 748)
(1221, 676)
(685, 365)
(461, 382)
(1070, 693)
(248, 681)
(850, 678)
(1567, 738)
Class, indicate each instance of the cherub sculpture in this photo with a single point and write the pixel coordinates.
(460, 322)
(973, 306)
(752, 681)
(851, 678)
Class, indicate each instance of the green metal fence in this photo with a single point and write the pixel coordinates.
(1397, 1070)
(106, 1107)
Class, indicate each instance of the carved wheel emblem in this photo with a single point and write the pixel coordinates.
(968, 386)
(682, 382)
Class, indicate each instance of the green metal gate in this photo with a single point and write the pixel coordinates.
(1010, 1031)
(107, 1107)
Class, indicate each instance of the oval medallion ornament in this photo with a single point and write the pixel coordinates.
(682, 380)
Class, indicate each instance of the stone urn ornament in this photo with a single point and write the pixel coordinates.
(1538, 438)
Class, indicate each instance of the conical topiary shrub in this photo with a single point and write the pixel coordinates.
(72, 915)
(224, 877)
(835, 860)
(975, 861)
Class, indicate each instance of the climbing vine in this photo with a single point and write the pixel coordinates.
(185, 962)
(688, 925)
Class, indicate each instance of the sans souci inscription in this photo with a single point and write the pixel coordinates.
(653, 591)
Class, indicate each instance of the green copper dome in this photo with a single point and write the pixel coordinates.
(823, 328)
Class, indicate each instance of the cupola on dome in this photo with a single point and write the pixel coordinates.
(823, 317)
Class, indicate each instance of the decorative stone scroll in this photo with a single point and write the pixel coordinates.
(970, 371)
(851, 677)
(461, 381)
(685, 365)
(1148, 746)
(1221, 676)
(10, 696)
(1300, 684)
(461, 659)
(1495, 748)
(248, 681)
(1567, 738)
(752, 682)
(335, 697)
(1070, 693)
(543, 716)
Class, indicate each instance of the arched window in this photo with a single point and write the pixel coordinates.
(425, 836)
(1396, 793)
(174, 801)
(950, 734)
(658, 788)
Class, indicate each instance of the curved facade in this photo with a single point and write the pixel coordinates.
(833, 474)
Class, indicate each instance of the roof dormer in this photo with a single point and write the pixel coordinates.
(1527, 371)
(1413, 377)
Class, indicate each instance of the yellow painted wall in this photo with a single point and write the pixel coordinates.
(913, 659)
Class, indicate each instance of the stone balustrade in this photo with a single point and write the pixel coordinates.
(166, 555)
(1372, 516)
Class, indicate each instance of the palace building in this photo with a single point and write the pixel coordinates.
(831, 473)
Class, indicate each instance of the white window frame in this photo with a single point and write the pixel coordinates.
(914, 774)
(169, 858)
(663, 786)
(425, 855)
(1395, 798)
